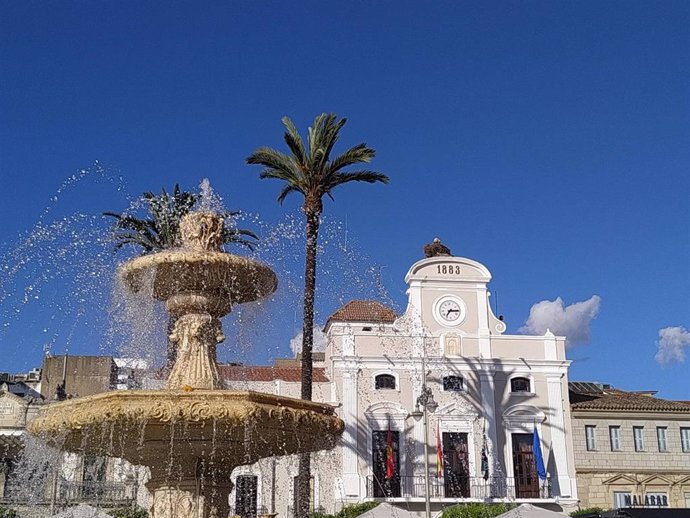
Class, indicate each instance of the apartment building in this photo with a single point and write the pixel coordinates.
(631, 448)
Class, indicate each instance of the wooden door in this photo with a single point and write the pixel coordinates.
(385, 487)
(524, 467)
(456, 466)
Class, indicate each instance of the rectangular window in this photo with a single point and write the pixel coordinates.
(687, 499)
(638, 435)
(246, 496)
(615, 437)
(661, 439)
(621, 499)
(685, 439)
(590, 436)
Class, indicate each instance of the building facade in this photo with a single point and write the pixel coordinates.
(38, 481)
(491, 392)
(631, 449)
(19, 404)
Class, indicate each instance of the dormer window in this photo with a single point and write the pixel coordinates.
(385, 381)
(453, 383)
(520, 385)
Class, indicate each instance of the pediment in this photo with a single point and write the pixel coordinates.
(656, 479)
(684, 481)
(524, 411)
(464, 270)
(12, 397)
(620, 479)
(385, 408)
(459, 409)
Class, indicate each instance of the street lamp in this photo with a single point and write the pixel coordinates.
(426, 402)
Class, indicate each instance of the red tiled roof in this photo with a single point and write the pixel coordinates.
(364, 311)
(261, 373)
(614, 399)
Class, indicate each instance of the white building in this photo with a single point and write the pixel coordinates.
(491, 390)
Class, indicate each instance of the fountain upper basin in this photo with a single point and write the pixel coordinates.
(229, 278)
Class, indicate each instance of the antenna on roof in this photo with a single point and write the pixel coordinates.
(496, 303)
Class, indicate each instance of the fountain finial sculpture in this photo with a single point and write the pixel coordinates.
(194, 433)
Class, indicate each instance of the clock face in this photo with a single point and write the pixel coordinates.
(449, 311)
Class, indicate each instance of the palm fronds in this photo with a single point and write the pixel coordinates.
(161, 229)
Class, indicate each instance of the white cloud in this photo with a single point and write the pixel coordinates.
(570, 321)
(672, 342)
(320, 341)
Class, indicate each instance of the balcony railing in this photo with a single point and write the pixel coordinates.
(102, 492)
(459, 488)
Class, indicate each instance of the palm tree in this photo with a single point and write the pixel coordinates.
(161, 231)
(311, 172)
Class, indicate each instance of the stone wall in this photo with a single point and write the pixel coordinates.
(602, 472)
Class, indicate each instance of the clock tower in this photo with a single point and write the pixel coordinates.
(449, 296)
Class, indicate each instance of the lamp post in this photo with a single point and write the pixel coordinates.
(426, 402)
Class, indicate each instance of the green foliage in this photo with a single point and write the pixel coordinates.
(6, 512)
(161, 229)
(129, 512)
(476, 510)
(588, 511)
(349, 511)
(309, 169)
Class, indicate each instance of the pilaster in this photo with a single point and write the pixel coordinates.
(488, 393)
(351, 482)
(566, 486)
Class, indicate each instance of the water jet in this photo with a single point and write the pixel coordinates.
(192, 434)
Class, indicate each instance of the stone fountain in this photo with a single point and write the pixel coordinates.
(194, 433)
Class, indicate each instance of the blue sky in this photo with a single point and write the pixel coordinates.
(547, 140)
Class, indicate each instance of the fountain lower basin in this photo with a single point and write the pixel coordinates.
(190, 440)
(234, 425)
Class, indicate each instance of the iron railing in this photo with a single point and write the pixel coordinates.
(108, 493)
(459, 488)
(248, 511)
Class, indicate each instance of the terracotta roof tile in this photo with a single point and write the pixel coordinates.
(614, 399)
(364, 311)
(262, 373)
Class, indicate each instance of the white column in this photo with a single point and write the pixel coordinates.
(486, 377)
(417, 463)
(483, 322)
(565, 486)
(351, 482)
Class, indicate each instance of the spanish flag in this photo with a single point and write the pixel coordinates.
(390, 460)
(439, 452)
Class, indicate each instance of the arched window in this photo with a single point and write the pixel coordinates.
(520, 385)
(453, 383)
(385, 381)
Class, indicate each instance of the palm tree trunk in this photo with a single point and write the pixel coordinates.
(309, 294)
(304, 474)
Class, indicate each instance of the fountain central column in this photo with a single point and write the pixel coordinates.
(201, 492)
(197, 328)
(196, 336)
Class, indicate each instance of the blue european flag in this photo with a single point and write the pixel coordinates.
(538, 458)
